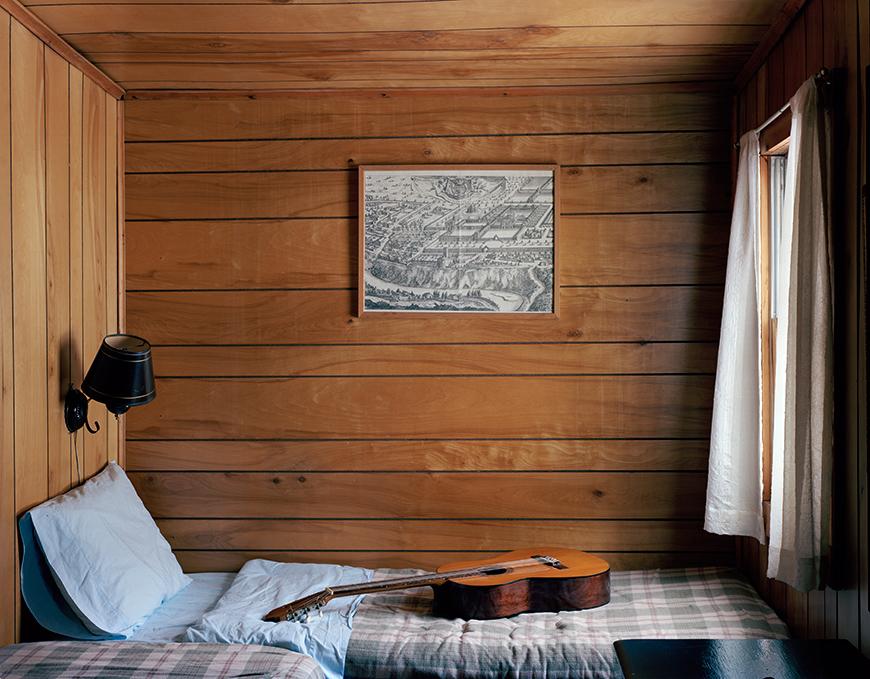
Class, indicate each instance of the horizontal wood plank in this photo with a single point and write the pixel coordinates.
(656, 406)
(428, 359)
(396, 114)
(430, 16)
(100, 45)
(646, 249)
(246, 254)
(37, 3)
(531, 495)
(329, 316)
(330, 154)
(394, 455)
(197, 561)
(505, 68)
(399, 535)
(333, 193)
(195, 88)
(383, 54)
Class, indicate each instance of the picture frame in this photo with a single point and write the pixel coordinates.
(459, 239)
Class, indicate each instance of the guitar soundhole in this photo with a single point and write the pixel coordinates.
(496, 571)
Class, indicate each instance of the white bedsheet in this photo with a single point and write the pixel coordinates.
(171, 620)
(262, 585)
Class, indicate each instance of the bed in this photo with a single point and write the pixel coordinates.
(395, 635)
(125, 659)
(106, 579)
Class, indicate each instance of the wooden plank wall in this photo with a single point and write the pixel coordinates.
(287, 427)
(58, 278)
(834, 34)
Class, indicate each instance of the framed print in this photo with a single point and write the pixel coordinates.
(458, 239)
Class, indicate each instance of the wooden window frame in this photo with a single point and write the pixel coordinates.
(773, 141)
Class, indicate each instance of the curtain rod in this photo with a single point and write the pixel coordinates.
(823, 78)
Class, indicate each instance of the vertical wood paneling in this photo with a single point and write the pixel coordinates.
(8, 539)
(775, 80)
(795, 57)
(94, 254)
(29, 267)
(833, 34)
(846, 243)
(121, 248)
(864, 407)
(47, 280)
(76, 244)
(761, 93)
(814, 21)
(110, 128)
(57, 152)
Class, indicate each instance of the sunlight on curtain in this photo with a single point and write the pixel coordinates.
(803, 379)
(734, 482)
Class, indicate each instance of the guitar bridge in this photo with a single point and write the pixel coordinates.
(550, 561)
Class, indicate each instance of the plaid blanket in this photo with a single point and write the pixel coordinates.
(395, 634)
(131, 659)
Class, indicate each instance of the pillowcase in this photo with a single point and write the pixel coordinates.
(107, 554)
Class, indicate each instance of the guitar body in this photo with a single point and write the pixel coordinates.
(582, 581)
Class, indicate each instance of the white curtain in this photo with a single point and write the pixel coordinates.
(735, 473)
(803, 377)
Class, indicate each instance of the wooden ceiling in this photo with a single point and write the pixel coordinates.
(330, 44)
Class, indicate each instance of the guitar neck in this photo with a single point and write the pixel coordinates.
(424, 580)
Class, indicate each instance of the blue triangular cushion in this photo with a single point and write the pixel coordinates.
(41, 593)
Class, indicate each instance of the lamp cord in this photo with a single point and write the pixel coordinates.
(75, 438)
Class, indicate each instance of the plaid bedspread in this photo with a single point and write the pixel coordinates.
(130, 659)
(395, 635)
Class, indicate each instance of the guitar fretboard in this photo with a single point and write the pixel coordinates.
(427, 579)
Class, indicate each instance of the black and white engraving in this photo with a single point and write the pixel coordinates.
(475, 240)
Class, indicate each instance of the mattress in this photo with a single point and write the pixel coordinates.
(124, 659)
(395, 635)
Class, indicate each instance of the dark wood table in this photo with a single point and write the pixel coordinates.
(740, 659)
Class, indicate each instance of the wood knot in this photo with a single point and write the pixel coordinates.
(643, 180)
(575, 332)
(598, 493)
(276, 480)
(302, 479)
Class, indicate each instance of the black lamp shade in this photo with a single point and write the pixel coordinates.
(121, 375)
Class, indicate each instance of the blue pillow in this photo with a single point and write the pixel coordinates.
(106, 554)
(41, 594)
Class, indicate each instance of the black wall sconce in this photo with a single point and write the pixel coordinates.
(121, 376)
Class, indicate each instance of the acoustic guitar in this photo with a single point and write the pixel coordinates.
(522, 581)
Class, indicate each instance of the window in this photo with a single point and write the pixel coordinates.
(774, 155)
(776, 172)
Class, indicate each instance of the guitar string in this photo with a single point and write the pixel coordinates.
(423, 579)
(414, 581)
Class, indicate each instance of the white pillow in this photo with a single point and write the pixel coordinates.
(106, 553)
